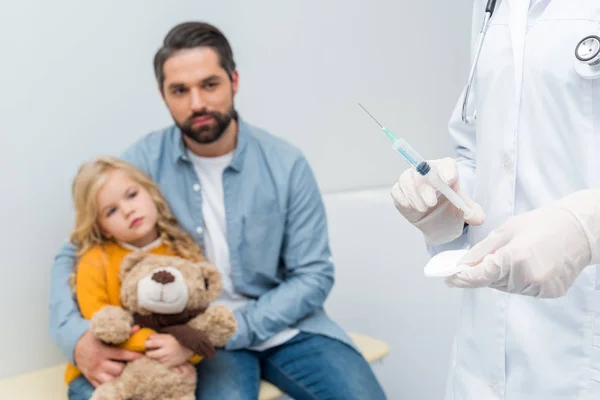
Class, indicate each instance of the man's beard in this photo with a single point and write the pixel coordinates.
(209, 133)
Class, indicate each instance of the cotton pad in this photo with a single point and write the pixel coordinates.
(445, 264)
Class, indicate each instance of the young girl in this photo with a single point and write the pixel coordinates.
(118, 210)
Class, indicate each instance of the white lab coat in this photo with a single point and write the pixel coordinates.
(526, 151)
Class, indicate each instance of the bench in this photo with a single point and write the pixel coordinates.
(48, 383)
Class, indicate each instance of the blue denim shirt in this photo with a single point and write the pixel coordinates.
(276, 230)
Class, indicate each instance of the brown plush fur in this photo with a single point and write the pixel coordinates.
(145, 379)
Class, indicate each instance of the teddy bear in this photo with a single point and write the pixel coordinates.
(169, 295)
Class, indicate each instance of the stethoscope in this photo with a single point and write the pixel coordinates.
(587, 59)
(489, 10)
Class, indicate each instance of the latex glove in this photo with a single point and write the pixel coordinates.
(539, 253)
(427, 209)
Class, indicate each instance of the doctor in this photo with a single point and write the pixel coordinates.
(529, 324)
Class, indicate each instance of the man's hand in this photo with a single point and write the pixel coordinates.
(98, 362)
(167, 350)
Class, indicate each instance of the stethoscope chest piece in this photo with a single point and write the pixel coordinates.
(587, 57)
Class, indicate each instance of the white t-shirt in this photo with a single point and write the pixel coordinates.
(209, 171)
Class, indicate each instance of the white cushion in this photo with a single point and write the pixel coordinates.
(48, 383)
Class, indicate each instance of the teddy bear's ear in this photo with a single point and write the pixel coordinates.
(130, 261)
(212, 280)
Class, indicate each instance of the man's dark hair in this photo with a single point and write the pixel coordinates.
(187, 36)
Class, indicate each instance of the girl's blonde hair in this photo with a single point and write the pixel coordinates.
(91, 177)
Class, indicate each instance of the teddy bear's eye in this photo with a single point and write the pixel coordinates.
(206, 283)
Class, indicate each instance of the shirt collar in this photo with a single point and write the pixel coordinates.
(244, 132)
(147, 247)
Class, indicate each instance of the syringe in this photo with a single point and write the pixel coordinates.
(423, 168)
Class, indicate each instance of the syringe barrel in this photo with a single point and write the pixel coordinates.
(447, 191)
(409, 154)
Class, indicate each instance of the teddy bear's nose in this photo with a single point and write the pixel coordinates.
(163, 277)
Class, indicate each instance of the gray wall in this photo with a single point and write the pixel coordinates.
(76, 80)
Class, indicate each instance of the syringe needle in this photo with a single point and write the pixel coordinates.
(423, 168)
(374, 119)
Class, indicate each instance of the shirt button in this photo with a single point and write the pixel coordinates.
(196, 187)
(199, 230)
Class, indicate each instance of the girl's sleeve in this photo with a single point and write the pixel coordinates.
(92, 295)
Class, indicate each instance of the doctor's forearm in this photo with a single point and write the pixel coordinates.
(459, 243)
(585, 205)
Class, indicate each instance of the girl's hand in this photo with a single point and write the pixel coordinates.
(166, 349)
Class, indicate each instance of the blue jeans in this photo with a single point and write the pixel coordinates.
(80, 389)
(307, 367)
